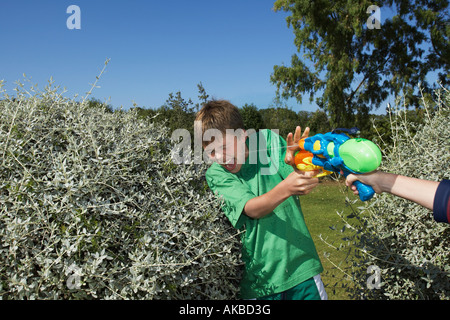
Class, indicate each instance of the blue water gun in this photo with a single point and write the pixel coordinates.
(337, 152)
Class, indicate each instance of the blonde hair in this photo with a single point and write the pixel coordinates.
(220, 115)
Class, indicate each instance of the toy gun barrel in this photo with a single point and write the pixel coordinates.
(337, 152)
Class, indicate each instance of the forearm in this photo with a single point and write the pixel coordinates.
(261, 206)
(417, 190)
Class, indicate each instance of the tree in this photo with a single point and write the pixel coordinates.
(178, 113)
(303, 118)
(354, 67)
(251, 117)
(96, 103)
(319, 123)
(283, 119)
(202, 96)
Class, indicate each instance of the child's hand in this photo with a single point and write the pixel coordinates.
(301, 183)
(376, 179)
(292, 144)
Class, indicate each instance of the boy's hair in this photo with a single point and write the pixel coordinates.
(220, 115)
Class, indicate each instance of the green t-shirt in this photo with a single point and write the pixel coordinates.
(277, 249)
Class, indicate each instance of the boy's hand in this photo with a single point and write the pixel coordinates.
(301, 182)
(292, 144)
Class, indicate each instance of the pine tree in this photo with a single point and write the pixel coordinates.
(350, 66)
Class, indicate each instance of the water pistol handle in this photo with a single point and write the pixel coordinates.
(365, 191)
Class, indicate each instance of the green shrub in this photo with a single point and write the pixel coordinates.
(91, 206)
(397, 236)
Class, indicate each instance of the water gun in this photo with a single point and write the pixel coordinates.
(337, 152)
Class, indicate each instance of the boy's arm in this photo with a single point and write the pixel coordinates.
(297, 183)
(294, 183)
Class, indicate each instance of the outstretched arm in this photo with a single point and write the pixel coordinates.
(417, 190)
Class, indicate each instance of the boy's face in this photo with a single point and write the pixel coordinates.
(229, 150)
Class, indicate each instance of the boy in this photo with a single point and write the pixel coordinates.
(261, 195)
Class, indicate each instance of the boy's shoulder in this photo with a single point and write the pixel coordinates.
(214, 168)
(215, 171)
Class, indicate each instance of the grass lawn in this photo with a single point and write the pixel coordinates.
(320, 210)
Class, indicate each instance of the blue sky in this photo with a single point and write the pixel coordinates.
(155, 47)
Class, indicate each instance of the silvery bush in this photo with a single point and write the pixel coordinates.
(92, 207)
(397, 250)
